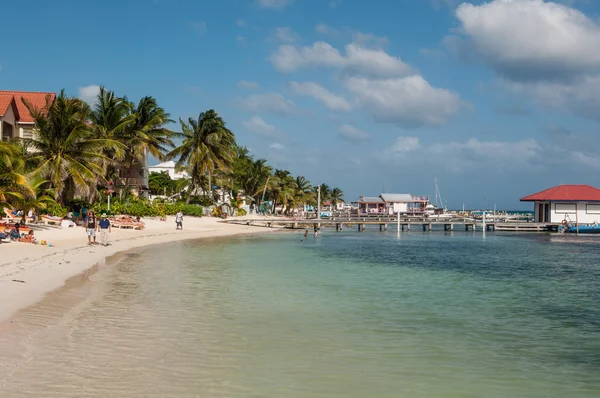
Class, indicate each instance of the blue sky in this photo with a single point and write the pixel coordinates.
(496, 99)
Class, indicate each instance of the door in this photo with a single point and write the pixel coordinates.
(540, 213)
(546, 212)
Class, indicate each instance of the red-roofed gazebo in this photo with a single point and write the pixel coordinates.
(570, 202)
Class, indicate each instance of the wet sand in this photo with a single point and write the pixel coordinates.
(28, 272)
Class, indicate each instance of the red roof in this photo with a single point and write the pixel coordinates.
(567, 193)
(36, 99)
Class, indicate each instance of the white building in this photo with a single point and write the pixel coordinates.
(15, 119)
(393, 203)
(576, 203)
(169, 168)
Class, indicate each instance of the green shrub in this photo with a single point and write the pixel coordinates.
(144, 208)
(55, 209)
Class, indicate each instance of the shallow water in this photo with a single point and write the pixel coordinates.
(346, 315)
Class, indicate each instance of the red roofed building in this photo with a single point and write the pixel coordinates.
(15, 119)
(572, 202)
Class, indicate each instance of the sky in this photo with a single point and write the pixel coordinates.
(496, 99)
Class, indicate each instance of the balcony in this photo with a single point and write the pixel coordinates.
(131, 182)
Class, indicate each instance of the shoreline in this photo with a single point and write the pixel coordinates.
(28, 273)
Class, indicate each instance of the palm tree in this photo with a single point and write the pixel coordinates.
(282, 189)
(303, 192)
(336, 196)
(64, 149)
(257, 180)
(13, 183)
(207, 146)
(145, 134)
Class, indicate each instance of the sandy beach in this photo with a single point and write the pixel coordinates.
(28, 271)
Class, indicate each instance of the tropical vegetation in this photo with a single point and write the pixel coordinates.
(83, 154)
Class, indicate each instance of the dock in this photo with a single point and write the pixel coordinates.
(391, 223)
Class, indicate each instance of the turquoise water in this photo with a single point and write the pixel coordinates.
(345, 315)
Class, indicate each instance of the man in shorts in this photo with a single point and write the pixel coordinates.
(179, 220)
(104, 228)
(90, 226)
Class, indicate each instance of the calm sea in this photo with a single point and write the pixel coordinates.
(345, 315)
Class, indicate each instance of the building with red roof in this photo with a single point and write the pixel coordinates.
(15, 119)
(566, 202)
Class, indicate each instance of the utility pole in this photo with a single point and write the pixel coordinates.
(319, 202)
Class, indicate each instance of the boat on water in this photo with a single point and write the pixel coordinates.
(435, 211)
(583, 229)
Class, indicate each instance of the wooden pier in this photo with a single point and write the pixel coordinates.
(405, 224)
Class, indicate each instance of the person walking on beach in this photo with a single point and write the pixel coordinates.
(90, 226)
(179, 220)
(104, 228)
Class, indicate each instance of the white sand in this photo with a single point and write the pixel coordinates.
(43, 269)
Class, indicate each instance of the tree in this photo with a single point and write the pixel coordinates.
(64, 150)
(257, 180)
(161, 182)
(145, 134)
(14, 185)
(282, 189)
(208, 145)
(336, 196)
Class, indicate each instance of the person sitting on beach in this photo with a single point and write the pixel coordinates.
(30, 238)
(31, 215)
(14, 233)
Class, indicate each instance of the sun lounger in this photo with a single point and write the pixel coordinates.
(46, 219)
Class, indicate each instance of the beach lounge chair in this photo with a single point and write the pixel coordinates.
(51, 220)
(11, 217)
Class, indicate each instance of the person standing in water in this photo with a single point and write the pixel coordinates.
(306, 233)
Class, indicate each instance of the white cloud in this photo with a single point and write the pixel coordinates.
(274, 4)
(391, 90)
(277, 146)
(408, 101)
(335, 3)
(260, 127)
(352, 134)
(357, 60)
(579, 96)
(404, 145)
(284, 34)
(321, 94)
(241, 23)
(269, 102)
(248, 85)
(539, 49)
(369, 40)
(589, 160)
(240, 39)
(199, 26)
(327, 30)
(89, 93)
(461, 157)
(532, 39)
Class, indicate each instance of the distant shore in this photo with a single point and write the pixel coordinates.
(28, 271)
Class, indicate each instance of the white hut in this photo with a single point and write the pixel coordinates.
(579, 203)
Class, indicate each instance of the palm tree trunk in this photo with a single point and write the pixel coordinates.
(190, 190)
(210, 185)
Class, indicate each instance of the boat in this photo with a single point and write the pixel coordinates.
(583, 229)
(434, 211)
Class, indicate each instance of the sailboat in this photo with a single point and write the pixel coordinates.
(434, 211)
